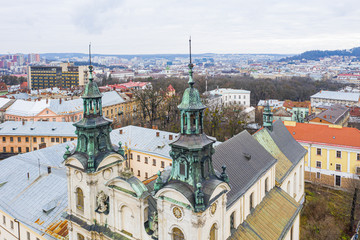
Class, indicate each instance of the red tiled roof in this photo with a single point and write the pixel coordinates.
(291, 104)
(355, 112)
(324, 134)
(170, 88)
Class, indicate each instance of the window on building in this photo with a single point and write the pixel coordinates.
(52, 139)
(154, 162)
(251, 202)
(318, 164)
(19, 139)
(266, 185)
(79, 199)
(338, 154)
(28, 235)
(12, 149)
(232, 222)
(318, 151)
(358, 156)
(54, 119)
(357, 170)
(35, 148)
(131, 156)
(27, 139)
(138, 173)
(64, 140)
(4, 149)
(34, 139)
(80, 237)
(337, 180)
(27, 149)
(11, 139)
(182, 169)
(11, 224)
(4, 139)
(146, 160)
(19, 149)
(4, 220)
(146, 175)
(72, 139)
(177, 234)
(318, 175)
(338, 167)
(138, 158)
(213, 232)
(162, 164)
(295, 186)
(42, 139)
(57, 140)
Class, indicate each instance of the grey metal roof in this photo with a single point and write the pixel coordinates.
(286, 143)
(334, 114)
(348, 96)
(29, 128)
(59, 106)
(242, 172)
(28, 199)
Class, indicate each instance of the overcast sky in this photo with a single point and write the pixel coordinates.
(164, 26)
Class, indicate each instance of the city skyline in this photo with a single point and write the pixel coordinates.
(163, 27)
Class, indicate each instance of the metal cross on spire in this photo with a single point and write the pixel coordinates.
(90, 53)
(90, 66)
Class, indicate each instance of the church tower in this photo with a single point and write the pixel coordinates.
(193, 188)
(89, 167)
(267, 117)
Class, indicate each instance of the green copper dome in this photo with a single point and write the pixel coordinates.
(191, 100)
(91, 89)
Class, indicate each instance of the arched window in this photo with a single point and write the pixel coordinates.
(177, 234)
(295, 185)
(79, 199)
(300, 178)
(251, 202)
(266, 185)
(288, 187)
(213, 232)
(80, 237)
(232, 222)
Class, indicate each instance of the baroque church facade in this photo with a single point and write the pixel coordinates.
(245, 188)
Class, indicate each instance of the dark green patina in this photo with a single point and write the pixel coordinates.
(268, 117)
(192, 172)
(93, 130)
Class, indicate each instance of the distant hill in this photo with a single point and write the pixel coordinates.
(317, 54)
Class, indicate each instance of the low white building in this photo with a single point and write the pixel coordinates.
(229, 96)
(343, 98)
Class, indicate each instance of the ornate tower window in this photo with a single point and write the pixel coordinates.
(213, 232)
(80, 237)
(177, 234)
(79, 199)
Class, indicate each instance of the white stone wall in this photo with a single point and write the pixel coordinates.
(293, 184)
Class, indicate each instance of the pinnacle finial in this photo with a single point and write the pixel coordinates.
(191, 80)
(90, 66)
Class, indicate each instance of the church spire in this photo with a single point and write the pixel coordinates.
(93, 130)
(191, 66)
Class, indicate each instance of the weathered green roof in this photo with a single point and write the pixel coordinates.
(271, 219)
(92, 90)
(284, 164)
(191, 100)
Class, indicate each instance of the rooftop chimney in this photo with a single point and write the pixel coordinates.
(170, 137)
(157, 134)
(49, 169)
(121, 131)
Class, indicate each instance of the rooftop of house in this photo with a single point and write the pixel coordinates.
(37, 128)
(292, 104)
(332, 135)
(221, 91)
(347, 96)
(272, 103)
(334, 114)
(59, 106)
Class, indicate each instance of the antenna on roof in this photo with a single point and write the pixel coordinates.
(90, 53)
